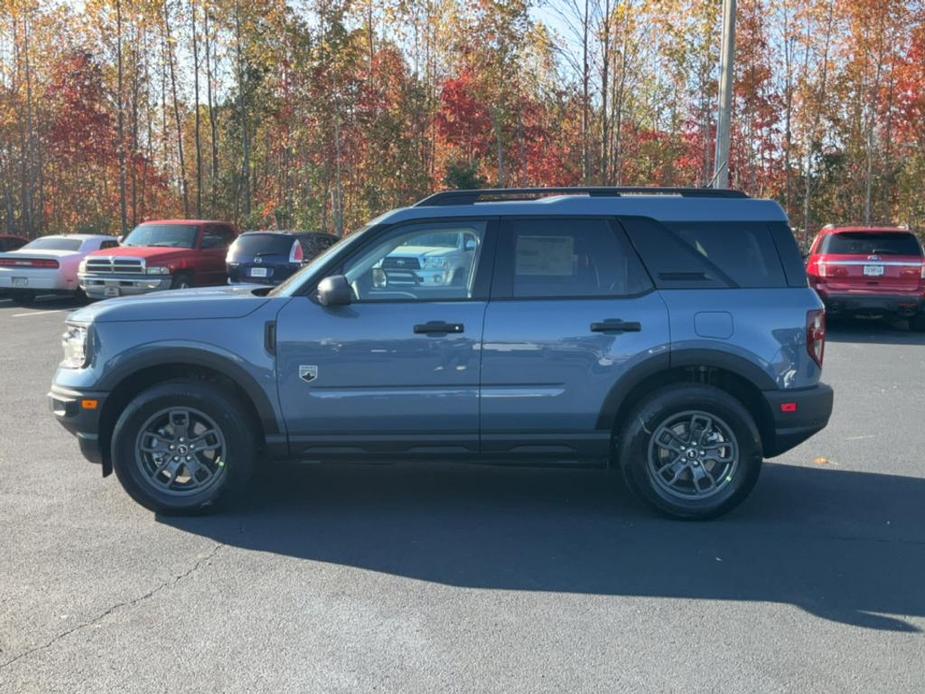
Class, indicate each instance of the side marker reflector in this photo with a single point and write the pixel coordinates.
(788, 407)
(89, 404)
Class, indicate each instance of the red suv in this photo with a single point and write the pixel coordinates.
(869, 271)
(165, 254)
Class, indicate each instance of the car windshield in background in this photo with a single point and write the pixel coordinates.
(250, 245)
(166, 235)
(53, 243)
(445, 239)
(867, 243)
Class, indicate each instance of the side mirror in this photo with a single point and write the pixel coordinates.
(334, 291)
(469, 245)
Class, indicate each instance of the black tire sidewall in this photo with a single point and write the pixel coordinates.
(180, 278)
(228, 414)
(666, 402)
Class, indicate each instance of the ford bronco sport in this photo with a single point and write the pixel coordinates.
(668, 333)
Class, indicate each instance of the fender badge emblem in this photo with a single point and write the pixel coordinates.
(308, 372)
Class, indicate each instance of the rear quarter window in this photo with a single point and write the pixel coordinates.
(744, 251)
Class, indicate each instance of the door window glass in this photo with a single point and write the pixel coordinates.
(573, 258)
(423, 262)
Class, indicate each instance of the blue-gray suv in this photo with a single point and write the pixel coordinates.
(667, 333)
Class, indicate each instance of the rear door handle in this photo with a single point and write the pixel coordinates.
(614, 325)
(437, 327)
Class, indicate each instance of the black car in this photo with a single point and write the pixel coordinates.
(269, 257)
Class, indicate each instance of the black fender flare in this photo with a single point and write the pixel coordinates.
(665, 361)
(227, 364)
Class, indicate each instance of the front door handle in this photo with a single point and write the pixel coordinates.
(437, 328)
(615, 325)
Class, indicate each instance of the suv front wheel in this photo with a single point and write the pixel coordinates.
(183, 447)
(691, 451)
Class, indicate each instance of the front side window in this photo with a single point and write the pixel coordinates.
(162, 235)
(572, 258)
(420, 262)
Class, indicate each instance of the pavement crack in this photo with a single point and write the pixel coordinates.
(173, 580)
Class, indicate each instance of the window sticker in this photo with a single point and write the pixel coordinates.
(546, 256)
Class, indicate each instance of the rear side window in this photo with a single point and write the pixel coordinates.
(571, 258)
(744, 251)
(871, 243)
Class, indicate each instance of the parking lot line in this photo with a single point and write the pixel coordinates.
(37, 313)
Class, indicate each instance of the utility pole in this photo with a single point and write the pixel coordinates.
(727, 72)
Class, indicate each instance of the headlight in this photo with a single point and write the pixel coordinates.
(434, 263)
(158, 270)
(83, 266)
(74, 342)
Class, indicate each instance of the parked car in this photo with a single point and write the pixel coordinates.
(439, 259)
(164, 254)
(869, 271)
(11, 243)
(668, 333)
(47, 265)
(269, 257)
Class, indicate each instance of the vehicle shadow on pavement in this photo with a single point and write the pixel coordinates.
(844, 546)
(872, 332)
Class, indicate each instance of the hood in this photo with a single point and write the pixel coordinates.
(147, 252)
(175, 304)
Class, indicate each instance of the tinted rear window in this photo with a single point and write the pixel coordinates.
(867, 243)
(265, 244)
(744, 251)
(54, 243)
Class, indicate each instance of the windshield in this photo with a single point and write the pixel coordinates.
(872, 243)
(54, 243)
(288, 287)
(165, 235)
(440, 239)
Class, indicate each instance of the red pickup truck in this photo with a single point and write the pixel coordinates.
(163, 254)
(869, 271)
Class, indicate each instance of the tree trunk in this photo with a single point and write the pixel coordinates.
(120, 122)
(176, 110)
(197, 136)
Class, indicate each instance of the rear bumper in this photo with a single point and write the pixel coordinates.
(813, 409)
(873, 304)
(47, 281)
(84, 423)
(100, 286)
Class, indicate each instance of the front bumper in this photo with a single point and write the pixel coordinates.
(102, 286)
(808, 412)
(903, 305)
(71, 410)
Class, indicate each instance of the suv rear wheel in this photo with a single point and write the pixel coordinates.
(690, 451)
(184, 447)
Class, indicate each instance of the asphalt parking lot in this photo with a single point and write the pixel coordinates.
(449, 578)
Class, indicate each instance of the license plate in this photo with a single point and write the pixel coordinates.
(110, 291)
(20, 281)
(258, 272)
(873, 270)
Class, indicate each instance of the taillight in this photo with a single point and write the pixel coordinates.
(816, 267)
(42, 263)
(815, 335)
(296, 254)
(923, 270)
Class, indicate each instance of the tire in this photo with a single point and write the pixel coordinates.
(182, 280)
(229, 462)
(917, 323)
(22, 298)
(685, 408)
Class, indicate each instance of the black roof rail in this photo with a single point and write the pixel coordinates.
(469, 197)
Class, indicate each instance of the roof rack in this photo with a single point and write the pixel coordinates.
(469, 197)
